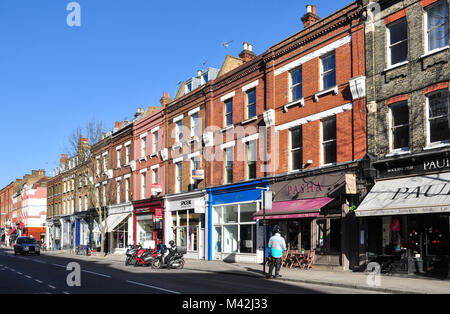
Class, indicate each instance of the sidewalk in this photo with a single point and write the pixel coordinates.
(317, 275)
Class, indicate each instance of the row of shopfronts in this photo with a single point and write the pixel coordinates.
(336, 211)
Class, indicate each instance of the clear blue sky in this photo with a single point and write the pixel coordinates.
(54, 78)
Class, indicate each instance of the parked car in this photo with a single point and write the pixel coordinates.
(26, 245)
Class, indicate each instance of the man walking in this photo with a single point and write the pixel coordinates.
(277, 245)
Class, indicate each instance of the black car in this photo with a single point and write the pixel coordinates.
(26, 245)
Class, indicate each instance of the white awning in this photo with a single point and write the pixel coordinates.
(112, 221)
(405, 196)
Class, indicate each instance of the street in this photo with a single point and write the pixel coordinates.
(46, 274)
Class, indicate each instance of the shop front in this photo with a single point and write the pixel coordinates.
(405, 219)
(82, 230)
(233, 234)
(185, 222)
(119, 227)
(312, 212)
(148, 222)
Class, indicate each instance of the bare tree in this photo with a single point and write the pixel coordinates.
(84, 143)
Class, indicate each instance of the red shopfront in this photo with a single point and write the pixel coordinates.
(148, 222)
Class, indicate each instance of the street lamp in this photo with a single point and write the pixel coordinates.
(266, 196)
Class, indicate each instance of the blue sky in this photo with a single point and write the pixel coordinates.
(54, 78)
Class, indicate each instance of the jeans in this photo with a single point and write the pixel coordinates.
(277, 263)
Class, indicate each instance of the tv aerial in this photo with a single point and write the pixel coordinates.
(227, 44)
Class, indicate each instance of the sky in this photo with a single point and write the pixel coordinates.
(55, 78)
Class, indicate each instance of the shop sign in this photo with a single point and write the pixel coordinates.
(198, 174)
(197, 204)
(156, 187)
(413, 166)
(307, 187)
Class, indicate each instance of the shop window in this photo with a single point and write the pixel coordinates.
(296, 148)
(329, 148)
(397, 42)
(230, 239)
(436, 17)
(321, 235)
(399, 126)
(247, 238)
(438, 117)
(218, 239)
(246, 212)
(185, 226)
(230, 214)
(335, 235)
(328, 73)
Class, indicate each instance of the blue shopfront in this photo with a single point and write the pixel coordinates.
(233, 234)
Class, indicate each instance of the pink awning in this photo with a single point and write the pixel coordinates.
(295, 209)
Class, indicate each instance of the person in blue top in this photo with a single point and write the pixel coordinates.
(277, 245)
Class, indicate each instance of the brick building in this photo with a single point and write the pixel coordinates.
(185, 199)
(408, 73)
(149, 155)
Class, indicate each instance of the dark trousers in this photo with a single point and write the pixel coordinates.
(277, 263)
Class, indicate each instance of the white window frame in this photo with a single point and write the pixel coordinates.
(322, 73)
(195, 128)
(322, 142)
(291, 150)
(178, 178)
(425, 27)
(391, 141)
(143, 184)
(119, 157)
(427, 111)
(118, 187)
(143, 146)
(127, 154)
(389, 46)
(291, 86)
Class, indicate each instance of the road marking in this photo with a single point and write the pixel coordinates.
(59, 265)
(91, 272)
(66, 292)
(51, 286)
(38, 280)
(29, 277)
(153, 287)
(19, 273)
(42, 262)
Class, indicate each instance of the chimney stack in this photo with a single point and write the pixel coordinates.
(138, 113)
(63, 159)
(165, 99)
(117, 125)
(247, 54)
(311, 16)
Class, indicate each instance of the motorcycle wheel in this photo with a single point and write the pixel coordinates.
(127, 261)
(181, 264)
(156, 264)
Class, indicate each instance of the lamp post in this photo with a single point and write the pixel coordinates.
(266, 197)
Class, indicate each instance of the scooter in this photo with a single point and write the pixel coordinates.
(131, 253)
(173, 260)
(145, 257)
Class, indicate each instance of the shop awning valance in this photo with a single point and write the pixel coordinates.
(112, 221)
(295, 209)
(410, 195)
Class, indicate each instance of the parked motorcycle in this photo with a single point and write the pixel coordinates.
(131, 253)
(145, 257)
(173, 260)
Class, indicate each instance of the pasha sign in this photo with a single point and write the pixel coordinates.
(307, 187)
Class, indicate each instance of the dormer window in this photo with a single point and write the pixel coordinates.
(188, 88)
(205, 78)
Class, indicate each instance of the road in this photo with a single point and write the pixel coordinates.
(48, 274)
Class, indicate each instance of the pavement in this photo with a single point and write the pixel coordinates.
(317, 275)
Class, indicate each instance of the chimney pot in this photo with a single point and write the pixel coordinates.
(250, 47)
(245, 45)
(199, 73)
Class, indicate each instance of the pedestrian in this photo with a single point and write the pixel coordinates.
(277, 245)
